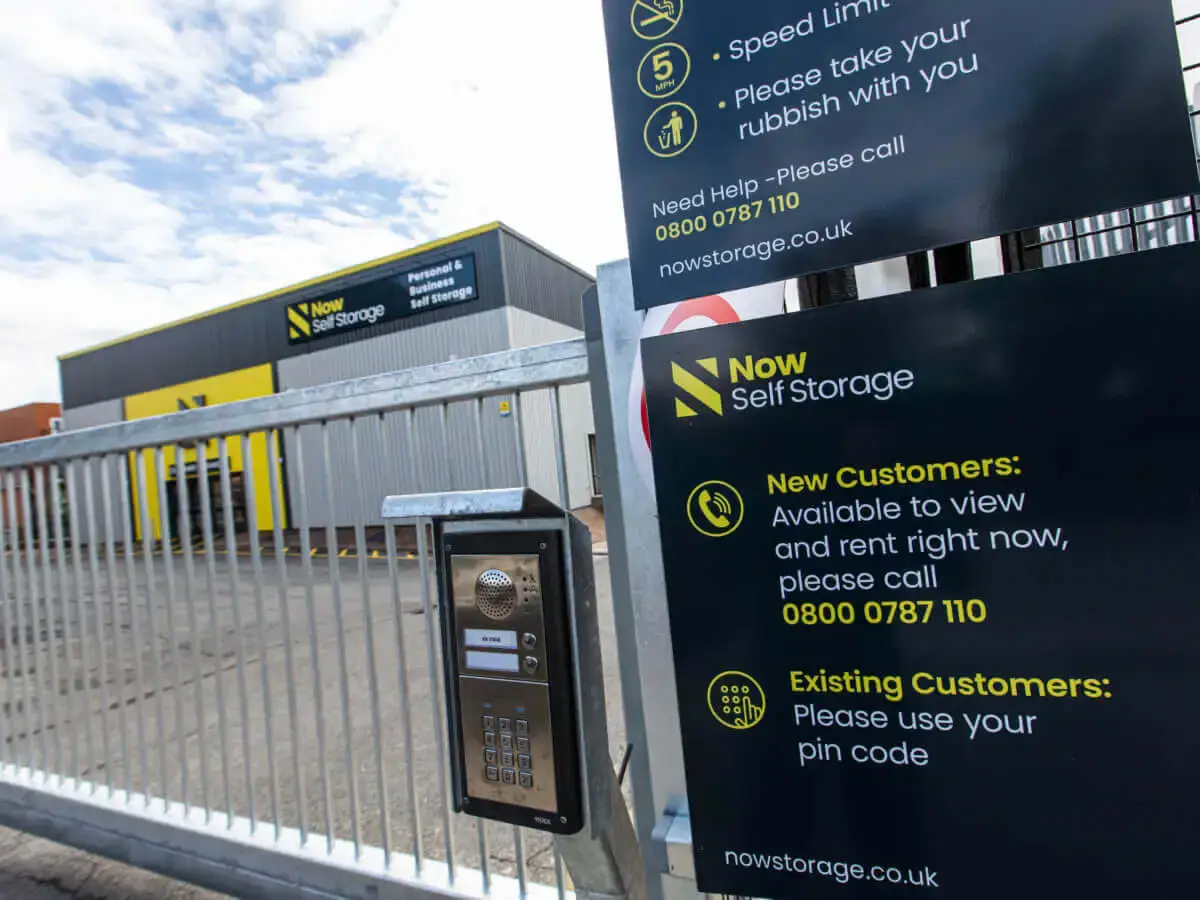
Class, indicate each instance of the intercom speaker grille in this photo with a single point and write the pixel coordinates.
(495, 594)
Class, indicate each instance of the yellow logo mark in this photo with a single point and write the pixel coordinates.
(663, 70)
(715, 509)
(654, 19)
(299, 324)
(696, 389)
(197, 401)
(670, 129)
(736, 700)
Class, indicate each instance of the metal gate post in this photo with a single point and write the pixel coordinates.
(612, 330)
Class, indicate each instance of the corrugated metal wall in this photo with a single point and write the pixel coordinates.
(527, 330)
(431, 464)
(104, 413)
(542, 284)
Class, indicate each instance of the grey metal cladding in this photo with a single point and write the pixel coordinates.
(388, 463)
(104, 413)
(541, 283)
(434, 342)
(255, 334)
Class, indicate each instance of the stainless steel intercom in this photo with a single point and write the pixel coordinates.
(509, 674)
(517, 612)
(516, 606)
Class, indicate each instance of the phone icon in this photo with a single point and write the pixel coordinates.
(715, 509)
(709, 502)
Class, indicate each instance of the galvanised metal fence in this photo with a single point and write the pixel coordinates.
(230, 709)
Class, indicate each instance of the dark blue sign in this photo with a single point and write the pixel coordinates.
(931, 570)
(414, 291)
(766, 140)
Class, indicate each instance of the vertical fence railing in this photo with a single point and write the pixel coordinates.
(181, 637)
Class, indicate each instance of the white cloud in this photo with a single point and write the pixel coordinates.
(510, 118)
(43, 198)
(126, 41)
(237, 104)
(270, 191)
(190, 139)
(321, 18)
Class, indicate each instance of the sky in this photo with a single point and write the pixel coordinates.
(162, 157)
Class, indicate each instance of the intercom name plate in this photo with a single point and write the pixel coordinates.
(499, 618)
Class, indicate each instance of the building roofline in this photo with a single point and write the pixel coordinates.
(554, 256)
(312, 282)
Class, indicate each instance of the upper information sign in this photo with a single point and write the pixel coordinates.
(764, 140)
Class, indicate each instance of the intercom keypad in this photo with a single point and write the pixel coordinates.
(504, 692)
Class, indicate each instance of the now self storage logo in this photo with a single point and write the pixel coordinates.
(699, 383)
(319, 318)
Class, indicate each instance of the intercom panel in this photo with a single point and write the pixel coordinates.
(509, 672)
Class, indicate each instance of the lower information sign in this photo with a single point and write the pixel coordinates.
(932, 570)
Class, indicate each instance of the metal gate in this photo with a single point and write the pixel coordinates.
(251, 714)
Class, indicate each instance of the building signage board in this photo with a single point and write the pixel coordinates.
(761, 141)
(930, 571)
(414, 291)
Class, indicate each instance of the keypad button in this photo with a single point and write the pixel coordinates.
(506, 759)
(522, 726)
(489, 739)
(524, 761)
(526, 779)
(493, 774)
(509, 776)
(489, 723)
(523, 745)
(506, 741)
(505, 724)
(490, 757)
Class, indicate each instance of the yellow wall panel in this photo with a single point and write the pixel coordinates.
(228, 388)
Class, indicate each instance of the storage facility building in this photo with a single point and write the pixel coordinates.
(479, 292)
